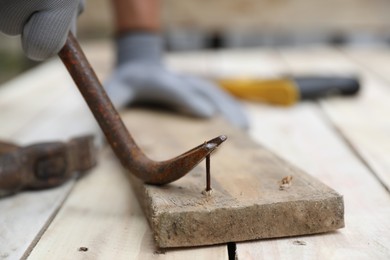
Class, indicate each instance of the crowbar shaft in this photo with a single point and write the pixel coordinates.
(117, 135)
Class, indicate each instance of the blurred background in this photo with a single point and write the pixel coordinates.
(204, 24)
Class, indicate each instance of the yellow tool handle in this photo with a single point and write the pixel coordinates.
(275, 91)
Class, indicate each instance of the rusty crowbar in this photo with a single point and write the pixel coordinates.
(122, 143)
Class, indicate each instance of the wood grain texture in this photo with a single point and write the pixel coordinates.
(33, 108)
(246, 202)
(301, 136)
(373, 140)
(304, 135)
(102, 214)
(362, 120)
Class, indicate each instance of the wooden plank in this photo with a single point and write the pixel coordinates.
(302, 136)
(373, 141)
(266, 63)
(246, 202)
(25, 216)
(34, 107)
(129, 235)
(374, 59)
(103, 215)
(30, 103)
(80, 224)
(362, 120)
(22, 100)
(367, 211)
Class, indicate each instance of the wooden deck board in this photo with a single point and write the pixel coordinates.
(60, 114)
(301, 136)
(246, 201)
(103, 215)
(306, 137)
(30, 112)
(323, 139)
(362, 120)
(373, 138)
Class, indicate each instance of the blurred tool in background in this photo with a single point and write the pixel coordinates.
(289, 90)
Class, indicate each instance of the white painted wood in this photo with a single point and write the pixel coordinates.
(41, 105)
(363, 120)
(33, 106)
(229, 63)
(303, 135)
(103, 215)
(374, 139)
(300, 135)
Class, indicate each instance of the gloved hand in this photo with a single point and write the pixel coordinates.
(140, 77)
(44, 25)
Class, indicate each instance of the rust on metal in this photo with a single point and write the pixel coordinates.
(44, 165)
(122, 143)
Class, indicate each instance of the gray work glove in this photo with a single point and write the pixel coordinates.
(43, 24)
(140, 77)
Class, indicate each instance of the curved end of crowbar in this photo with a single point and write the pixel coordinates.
(122, 143)
(171, 170)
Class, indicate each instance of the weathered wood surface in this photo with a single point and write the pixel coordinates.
(33, 109)
(362, 121)
(335, 158)
(246, 202)
(43, 105)
(309, 135)
(373, 141)
(103, 215)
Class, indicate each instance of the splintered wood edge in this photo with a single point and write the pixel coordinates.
(226, 224)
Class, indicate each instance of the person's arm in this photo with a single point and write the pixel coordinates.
(140, 75)
(136, 15)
